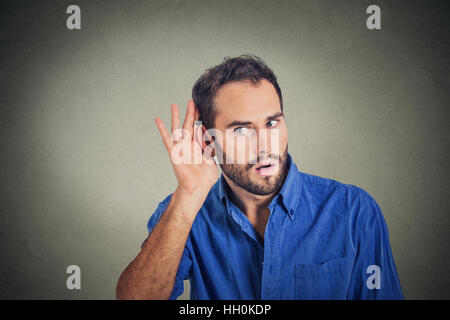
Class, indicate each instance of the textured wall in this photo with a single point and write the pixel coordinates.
(83, 166)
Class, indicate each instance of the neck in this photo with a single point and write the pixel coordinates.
(249, 203)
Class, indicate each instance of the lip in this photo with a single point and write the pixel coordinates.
(267, 171)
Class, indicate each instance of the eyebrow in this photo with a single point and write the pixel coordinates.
(244, 123)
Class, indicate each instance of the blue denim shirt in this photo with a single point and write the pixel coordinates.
(323, 240)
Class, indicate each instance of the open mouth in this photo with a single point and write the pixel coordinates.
(267, 169)
(266, 166)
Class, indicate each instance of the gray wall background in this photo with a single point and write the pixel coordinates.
(83, 166)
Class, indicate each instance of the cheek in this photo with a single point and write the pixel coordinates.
(278, 141)
(283, 137)
(236, 148)
(283, 129)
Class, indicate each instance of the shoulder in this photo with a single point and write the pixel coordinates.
(322, 182)
(352, 200)
(321, 186)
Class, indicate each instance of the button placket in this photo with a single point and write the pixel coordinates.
(270, 284)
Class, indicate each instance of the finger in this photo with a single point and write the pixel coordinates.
(175, 117)
(197, 126)
(197, 114)
(197, 134)
(176, 134)
(164, 134)
(188, 123)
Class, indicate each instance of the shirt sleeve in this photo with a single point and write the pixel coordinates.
(374, 275)
(183, 272)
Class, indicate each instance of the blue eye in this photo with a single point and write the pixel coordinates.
(274, 123)
(241, 130)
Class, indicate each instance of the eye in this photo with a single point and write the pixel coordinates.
(241, 130)
(271, 123)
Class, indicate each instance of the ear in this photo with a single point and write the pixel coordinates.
(205, 140)
(200, 132)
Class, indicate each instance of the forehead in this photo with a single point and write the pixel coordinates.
(246, 101)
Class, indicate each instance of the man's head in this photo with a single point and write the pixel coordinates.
(242, 100)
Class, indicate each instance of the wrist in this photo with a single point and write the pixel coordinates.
(187, 201)
(197, 192)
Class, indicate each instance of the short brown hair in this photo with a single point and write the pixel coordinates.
(246, 67)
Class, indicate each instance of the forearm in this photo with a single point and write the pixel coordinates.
(151, 275)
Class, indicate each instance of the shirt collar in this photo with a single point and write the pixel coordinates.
(289, 193)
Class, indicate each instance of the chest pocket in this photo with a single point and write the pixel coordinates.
(325, 281)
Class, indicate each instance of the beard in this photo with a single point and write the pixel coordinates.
(241, 175)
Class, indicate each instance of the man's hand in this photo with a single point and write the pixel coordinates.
(151, 275)
(192, 176)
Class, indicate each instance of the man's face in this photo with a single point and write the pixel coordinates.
(252, 114)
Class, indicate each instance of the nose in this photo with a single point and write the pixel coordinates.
(262, 154)
(262, 143)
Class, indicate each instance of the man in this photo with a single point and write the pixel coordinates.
(263, 230)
